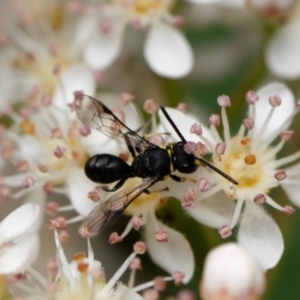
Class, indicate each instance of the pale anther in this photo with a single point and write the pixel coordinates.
(161, 236)
(220, 148)
(214, 120)
(203, 184)
(259, 199)
(224, 101)
(196, 129)
(287, 135)
(139, 247)
(115, 238)
(280, 175)
(251, 97)
(150, 106)
(275, 101)
(288, 210)
(248, 123)
(225, 231)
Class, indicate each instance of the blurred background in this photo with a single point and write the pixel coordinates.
(229, 44)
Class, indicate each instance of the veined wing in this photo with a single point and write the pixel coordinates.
(96, 115)
(109, 211)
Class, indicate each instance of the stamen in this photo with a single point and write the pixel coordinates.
(225, 231)
(28, 182)
(190, 147)
(75, 219)
(251, 97)
(196, 129)
(57, 223)
(151, 294)
(188, 201)
(237, 212)
(220, 149)
(115, 238)
(289, 211)
(149, 284)
(225, 122)
(178, 21)
(52, 208)
(214, 120)
(64, 263)
(215, 189)
(126, 98)
(287, 135)
(248, 123)
(127, 229)
(56, 133)
(259, 199)
(137, 222)
(150, 106)
(63, 236)
(37, 276)
(139, 247)
(161, 236)
(274, 204)
(111, 283)
(66, 208)
(275, 101)
(280, 175)
(286, 160)
(203, 184)
(250, 159)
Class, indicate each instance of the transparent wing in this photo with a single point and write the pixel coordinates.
(96, 115)
(109, 211)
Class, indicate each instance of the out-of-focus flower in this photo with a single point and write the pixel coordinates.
(166, 50)
(250, 159)
(231, 273)
(49, 148)
(282, 55)
(83, 278)
(19, 240)
(44, 49)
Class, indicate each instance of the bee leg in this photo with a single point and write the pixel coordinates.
(116, 187)
(148, 192)
(181, 179)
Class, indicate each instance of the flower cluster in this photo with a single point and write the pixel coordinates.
(80, 149)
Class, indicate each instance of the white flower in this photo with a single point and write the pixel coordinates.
(166, 50)
(83, 278)
(49, 148)
(19, 241)
(45, 50)
(249, 158)
(282, 55)
(230, 272)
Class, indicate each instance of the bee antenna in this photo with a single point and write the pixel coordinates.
(172, 124)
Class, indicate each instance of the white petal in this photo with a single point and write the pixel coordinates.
(214, 211)
(168, 52)
(19, 222)
(79, 187)
(184, 123)
(76, 78)
(261, 236)
(97, 142)
(124, 293)
(282, 53)
(292, 190)
(103, 49)
(280, 114)
(21, 255)
(174, 255)
(39, 197)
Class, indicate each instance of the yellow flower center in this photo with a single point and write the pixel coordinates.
(246, 165)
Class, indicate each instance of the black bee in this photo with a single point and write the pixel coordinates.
(151, 163)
